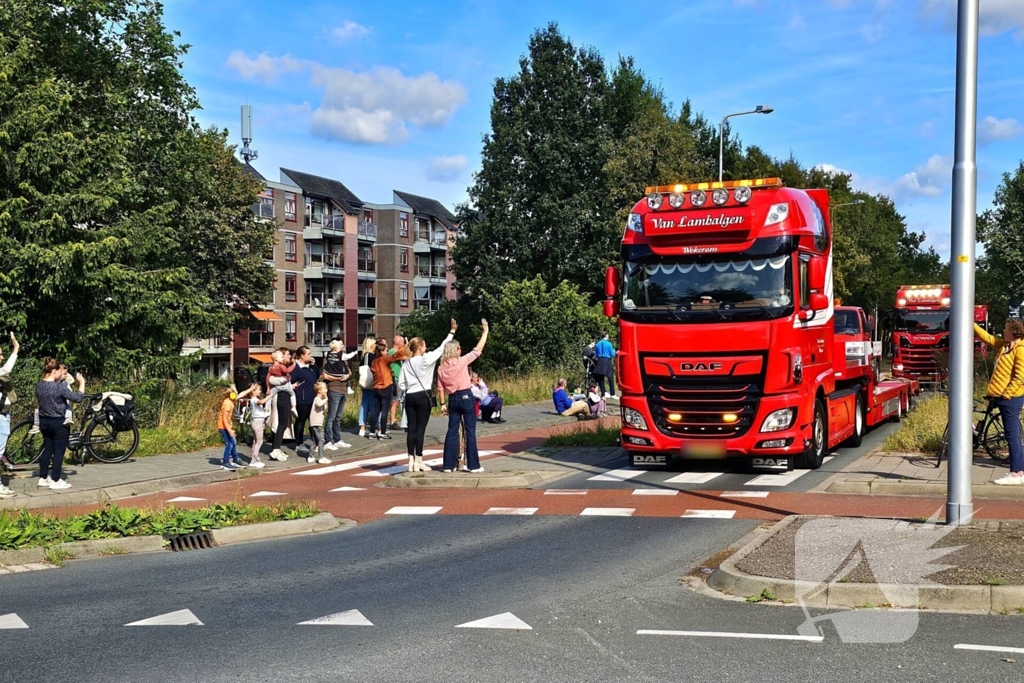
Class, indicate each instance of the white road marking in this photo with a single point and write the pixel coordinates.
(827, 458)
(385, 472)
(346, 488)
(989, 648)
(607, 512)
(777, 479)
(506, 620)
(414, 510)
(182, 617)
(355, 465)
(744, 494)
(710, 514)
(511, 511)
(655, 492)
(352, 617)
(617, 475)
(720, 634)
(693, 477)
(265, 494)
(184, 499)
(565, 492)
(12, 620)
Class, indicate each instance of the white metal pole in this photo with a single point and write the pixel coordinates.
(959, 506)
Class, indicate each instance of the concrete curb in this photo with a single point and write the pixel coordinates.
(730, 580)
(324, 521)
(888, 487)
(468, 480)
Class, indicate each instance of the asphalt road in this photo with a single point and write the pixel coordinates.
(584, 585)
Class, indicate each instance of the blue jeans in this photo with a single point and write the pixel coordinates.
(230, 447)
(461, 406)
(365, 406)
(1009, 411)
(5, 432)
(335, 407)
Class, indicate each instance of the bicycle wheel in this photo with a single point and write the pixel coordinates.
(994, 440)
(943, 447)
(24, 448)
(106, 444)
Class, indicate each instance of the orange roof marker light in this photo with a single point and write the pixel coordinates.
(679, 188)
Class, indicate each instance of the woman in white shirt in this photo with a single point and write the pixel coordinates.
(415, 379)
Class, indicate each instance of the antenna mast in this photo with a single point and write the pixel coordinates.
(247, 153)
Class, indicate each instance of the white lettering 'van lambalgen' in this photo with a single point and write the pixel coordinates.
(723, 221)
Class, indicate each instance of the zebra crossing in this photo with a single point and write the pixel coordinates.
(668, 483)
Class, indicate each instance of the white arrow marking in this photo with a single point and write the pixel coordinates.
(12, 620)
(184, 499)
(352, 617)
(506, 620)
(264, 494)
(182, 617)
(346, 488)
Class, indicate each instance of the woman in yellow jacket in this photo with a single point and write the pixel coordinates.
(1006, 388)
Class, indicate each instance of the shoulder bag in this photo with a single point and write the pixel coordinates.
(433, 398)
(366, 374)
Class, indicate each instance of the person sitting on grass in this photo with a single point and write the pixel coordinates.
(566, 406)
(597, 404)
(490, 402)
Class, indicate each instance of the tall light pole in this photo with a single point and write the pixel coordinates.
(836, 206)
(761, 109)
(959, 505)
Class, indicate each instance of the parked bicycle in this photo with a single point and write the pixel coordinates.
(106, 431)
(987, 434)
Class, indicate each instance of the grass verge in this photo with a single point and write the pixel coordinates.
(27, 529)
(921, 431)
(585, 435)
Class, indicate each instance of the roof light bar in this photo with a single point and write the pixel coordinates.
(760, 183)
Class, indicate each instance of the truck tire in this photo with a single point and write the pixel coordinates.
(812, 458)
(859, 421)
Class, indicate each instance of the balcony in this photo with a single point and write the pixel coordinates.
(334, 225)
(318, 338)
(261, 339)
(430, 274)
(314, 229)
(318, 303)
(367, 269)
(367, 304)
(319, 265)
(367, 231)
(211, 346)
(432, 305)
(264, 209)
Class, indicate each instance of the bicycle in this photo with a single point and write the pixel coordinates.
(987, 433)
(106, 431)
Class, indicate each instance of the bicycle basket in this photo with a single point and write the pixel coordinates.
(119, 410)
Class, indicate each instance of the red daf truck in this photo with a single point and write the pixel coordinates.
(726, 323)
(921, 328)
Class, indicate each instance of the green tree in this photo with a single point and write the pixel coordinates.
(1000, 281)
(124, 227)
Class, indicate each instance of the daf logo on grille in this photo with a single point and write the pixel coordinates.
(700, 367)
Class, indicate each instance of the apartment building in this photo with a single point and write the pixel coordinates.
(414, 237)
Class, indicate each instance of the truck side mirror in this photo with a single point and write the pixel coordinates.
(816, 274)
(611, 308)
(611, 282)
(818, 302)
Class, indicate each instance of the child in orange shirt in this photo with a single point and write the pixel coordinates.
(225, 425)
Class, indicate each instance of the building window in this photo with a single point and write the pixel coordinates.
(403, 294)
(290, 334)
(403, 260)
(403, 225)
(289, 247)
(289, 206)
(289, 287)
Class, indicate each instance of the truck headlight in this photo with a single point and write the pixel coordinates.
(635, 223)
(777, 214)
(654, 200)
(633, 418)
(778, 420)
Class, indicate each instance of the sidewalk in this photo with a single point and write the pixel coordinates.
(98, 483)
(915, 474)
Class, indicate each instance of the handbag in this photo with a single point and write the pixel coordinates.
(365, 375)
(433, 398)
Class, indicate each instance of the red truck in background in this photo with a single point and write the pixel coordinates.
(727, 346)
(921, 328)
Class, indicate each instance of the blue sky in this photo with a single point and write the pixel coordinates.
(397, 95)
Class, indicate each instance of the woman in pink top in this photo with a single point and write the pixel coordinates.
(453, 383)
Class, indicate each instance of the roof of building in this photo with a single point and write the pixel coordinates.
(325, 187)
(249, 170)
(428, 207)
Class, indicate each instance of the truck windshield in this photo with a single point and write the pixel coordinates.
(922, 321)
(739, 289)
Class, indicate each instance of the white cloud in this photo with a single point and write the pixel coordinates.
(348, 31)
(263, 67)
(374, 107)
(927, 180)
(996, 16)
(991, 129)
(446, 169)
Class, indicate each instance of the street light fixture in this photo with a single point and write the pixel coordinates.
(760, 109)
(836, 206)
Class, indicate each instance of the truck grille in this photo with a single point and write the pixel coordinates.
(919, 361)
(702, 405)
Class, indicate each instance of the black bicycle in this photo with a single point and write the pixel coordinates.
(107, 431)
(987, 434)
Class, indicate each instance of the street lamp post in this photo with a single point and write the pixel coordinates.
(836, 206)
(760, 109)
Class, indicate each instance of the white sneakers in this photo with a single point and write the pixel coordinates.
(278, 455)
(324, 461)
(330, 446)
(1010, 480)
(59, 485)
(362, 430)
(5, 492)
(45, 483)
(310, 459)
(478, 470)
(257, 465)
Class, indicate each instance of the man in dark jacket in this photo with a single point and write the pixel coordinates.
(303, 378)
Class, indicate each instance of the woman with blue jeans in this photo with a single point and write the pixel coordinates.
(366, 394)
(454, 383)
(54, 397)
(1006, 390)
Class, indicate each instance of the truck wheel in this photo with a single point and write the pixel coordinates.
(812, 458)
(858, 421)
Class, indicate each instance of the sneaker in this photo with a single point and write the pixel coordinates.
(394, 425)
(258, 465)
(6, 492)
(350, 391)
(310, 459)
(607, 395)
(331, 446)
(278, 455)
(385, 435)
(45, 483)
(34, 430)
(446, 471)
(238, 463)
(227, 467)
(362, 431)
(59, 485)
(464, 468)
(324, 461)
(342, 444)
(1009, 480)
(477, 470)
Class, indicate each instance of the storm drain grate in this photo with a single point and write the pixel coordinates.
(194, 541)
